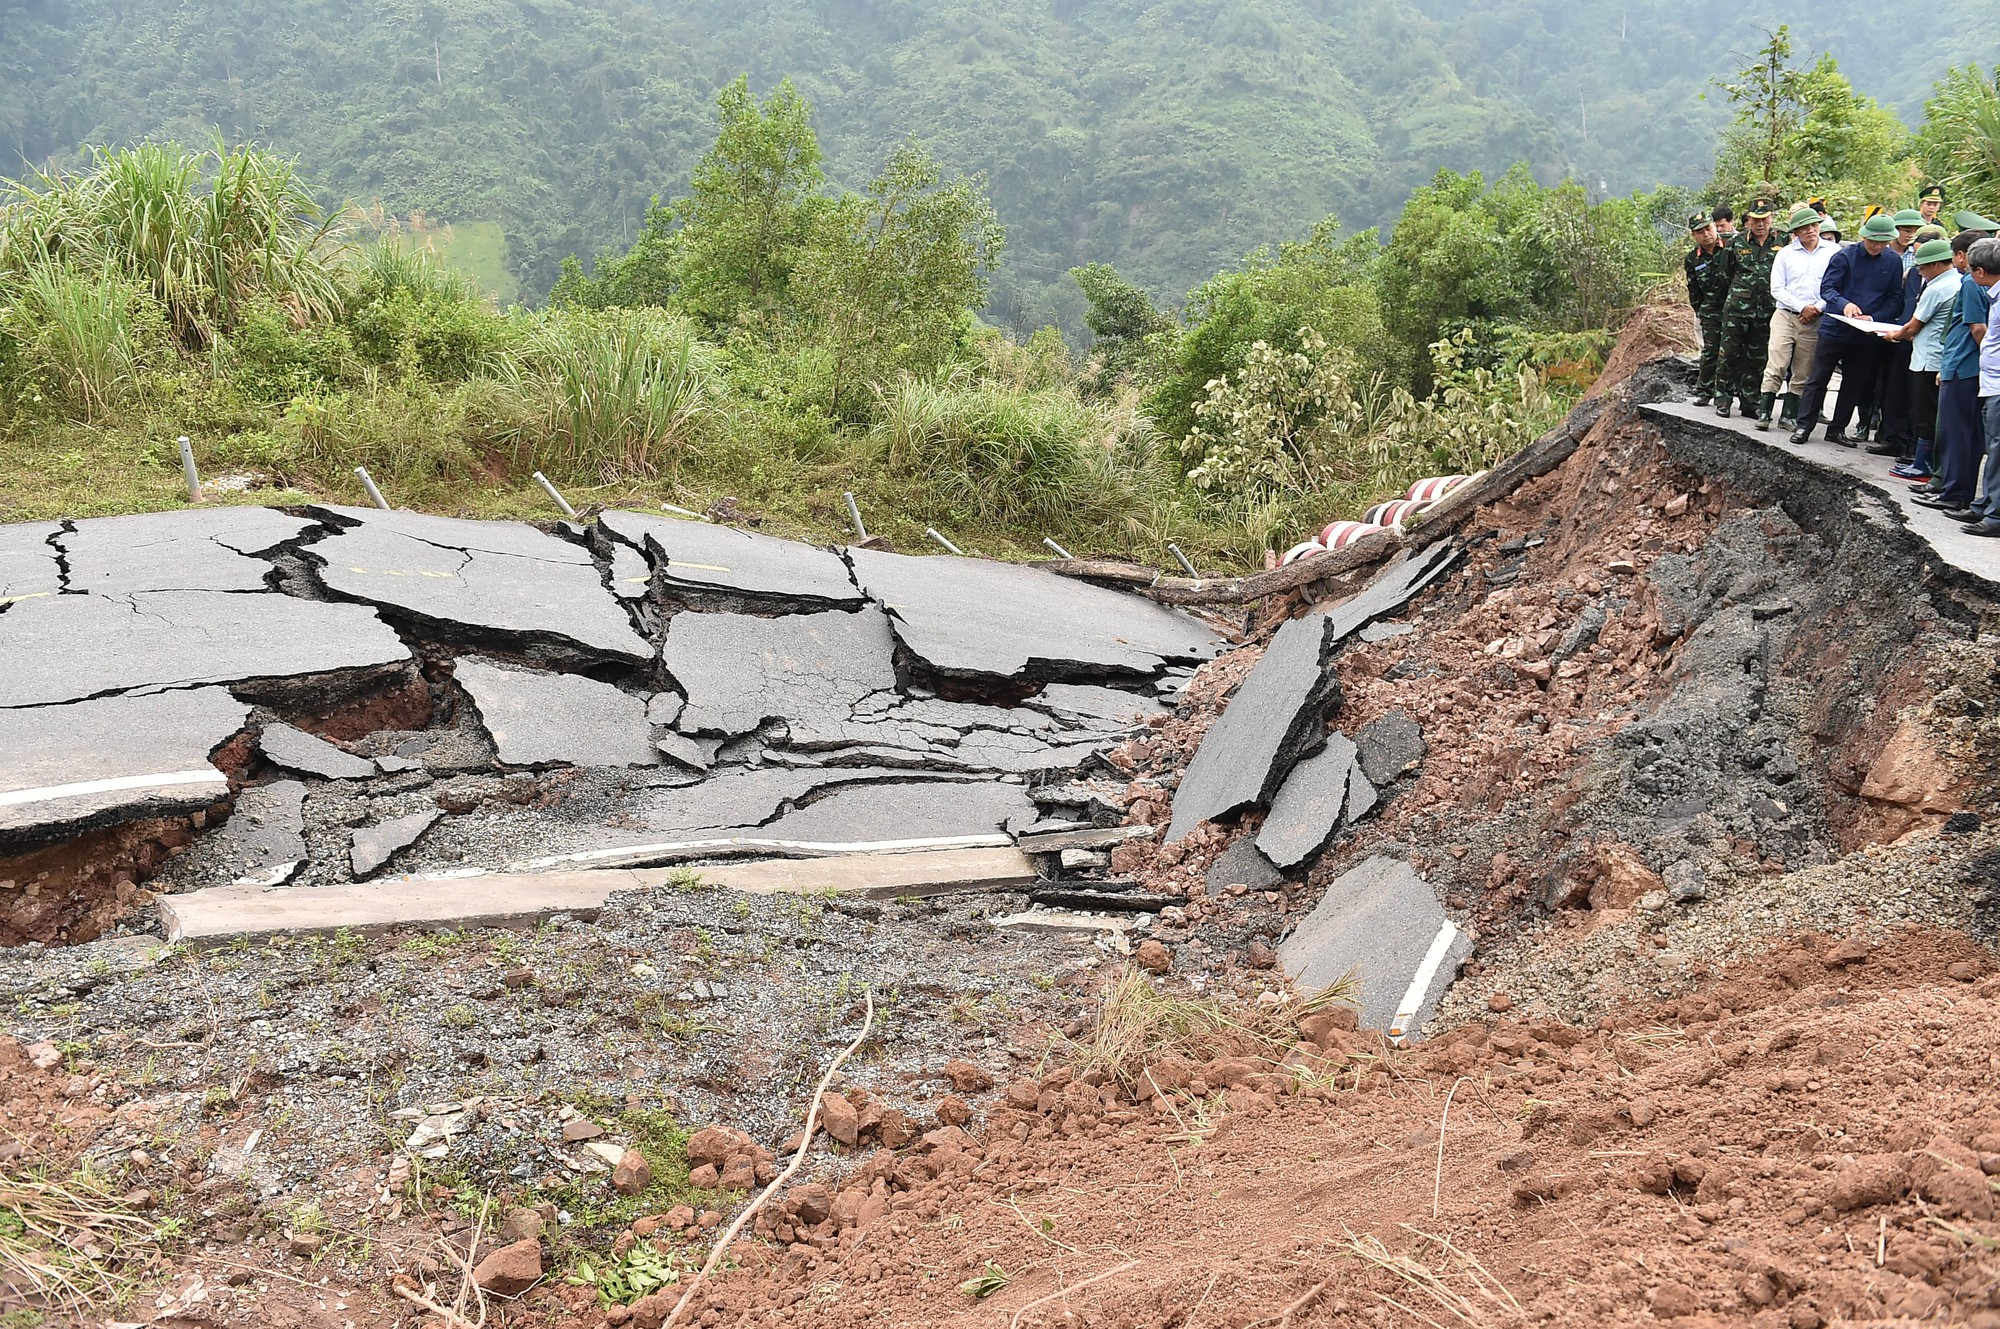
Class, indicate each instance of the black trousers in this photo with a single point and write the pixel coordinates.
(1859, 358)
(1894, 381)
(1924, 417)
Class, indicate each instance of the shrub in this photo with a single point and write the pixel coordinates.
(84, 335)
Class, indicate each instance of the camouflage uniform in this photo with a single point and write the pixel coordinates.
(1746, 318)
(1707, 283)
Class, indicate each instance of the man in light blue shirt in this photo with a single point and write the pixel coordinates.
(1983, 267)
(1925, 335)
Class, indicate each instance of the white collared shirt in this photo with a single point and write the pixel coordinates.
(1796, 273)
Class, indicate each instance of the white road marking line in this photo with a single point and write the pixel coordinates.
(1420, 982)
(207, 775)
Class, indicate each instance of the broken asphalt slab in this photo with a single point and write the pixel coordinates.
(68, 647)
(487, 580)
(705, 556)
(538, 719)
(208, 549)
(1308, 805)
(975, 618)
(916, 809)
(28, 564)
(808, 670)
(1398, 583)
(1272, 720)
(68, 769)
(1380, 924)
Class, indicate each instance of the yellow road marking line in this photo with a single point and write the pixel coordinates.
(31, 595)
(705, 567)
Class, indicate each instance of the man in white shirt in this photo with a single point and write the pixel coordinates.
(1795, 278)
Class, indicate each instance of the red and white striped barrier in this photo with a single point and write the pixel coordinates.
(1340, 534)
(1310, 549)
(1395, 512)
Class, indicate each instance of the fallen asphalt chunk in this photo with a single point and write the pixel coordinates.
(1307, 808)
(264, 840)
(1242, 865)
(68, 769)
(538, 719)
(492, 581)
(708, 556)
(296, 750)
(1272, 720)
(1080, 837)
(1380, 924)
(1389, 746)
(976, 618)
(375, 845)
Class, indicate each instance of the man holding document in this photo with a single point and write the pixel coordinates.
(1862, 286)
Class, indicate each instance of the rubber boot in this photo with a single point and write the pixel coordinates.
(1788, 415)
(1764, 401)
(1722, 405)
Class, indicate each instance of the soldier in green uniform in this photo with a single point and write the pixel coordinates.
(1707, 284)
(1746, 309)
(1930, 202)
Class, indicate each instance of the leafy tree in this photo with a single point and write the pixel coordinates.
(1960, 140)
(754, 199)
(1120, 317)
(1808, 131)
(646, 274)
(887, 280)
(1322, 282)
(1769, 105)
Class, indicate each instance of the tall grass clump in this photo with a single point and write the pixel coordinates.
(992, 453)
(205, 232)
(612, 393)
(85, 334)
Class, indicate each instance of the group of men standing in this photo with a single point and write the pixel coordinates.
(1900, 314)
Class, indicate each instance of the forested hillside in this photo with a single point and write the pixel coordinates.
(1166, 136)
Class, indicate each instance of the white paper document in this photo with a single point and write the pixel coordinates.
(1866, 324)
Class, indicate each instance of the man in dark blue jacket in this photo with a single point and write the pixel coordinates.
(1864, 280)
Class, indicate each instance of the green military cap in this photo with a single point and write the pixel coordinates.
(1698, 220)
(1878, 227)
(1828, 226)
(1931, 191)
(1933, 251)
(1931, 232)
(1968, 220)
(1760, 207)
(1908, 217)
(1802, 215)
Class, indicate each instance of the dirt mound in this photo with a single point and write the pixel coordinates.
(1769, 1150)
(1652, 332)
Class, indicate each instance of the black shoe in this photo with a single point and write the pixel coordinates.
(1934, 501)
(1966, 515)
(1798, 438)
(1839, 438)
(1701, 398)
(1988, 527)
(1722, 408)
(1879, 449)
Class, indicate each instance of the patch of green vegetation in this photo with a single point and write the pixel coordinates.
(475, 250)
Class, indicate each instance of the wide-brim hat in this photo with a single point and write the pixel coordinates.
(1878, 227)
(1760, 207)
(1802, 215)
(1908, 217)
(1933, 251)
(1968, 220)
(1828, 226)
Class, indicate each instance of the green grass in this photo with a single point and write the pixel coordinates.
(477, 250)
